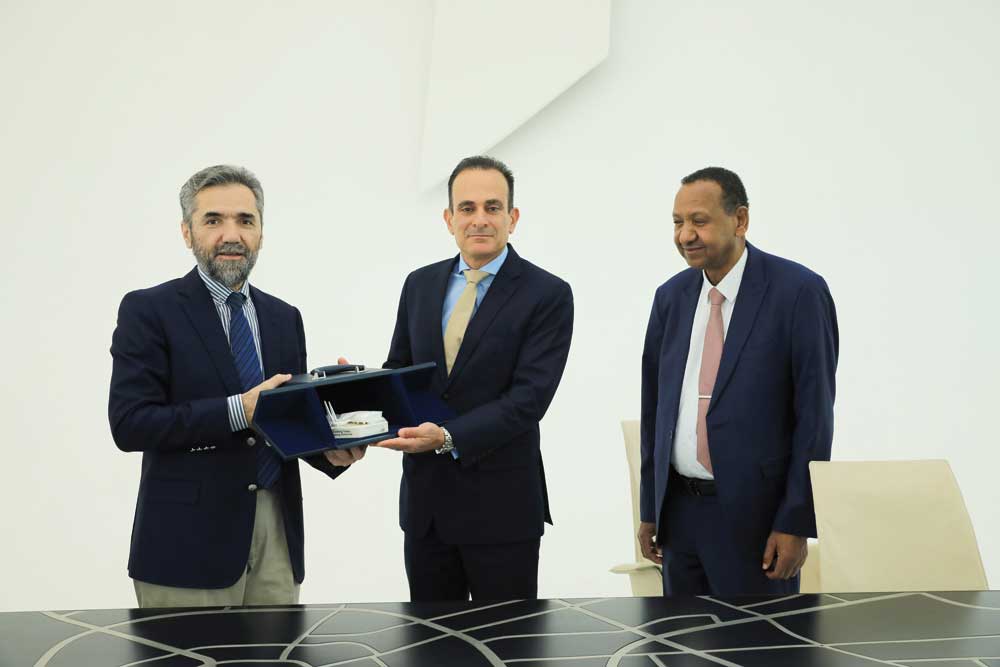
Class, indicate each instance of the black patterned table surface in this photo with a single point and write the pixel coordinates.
(847, 630)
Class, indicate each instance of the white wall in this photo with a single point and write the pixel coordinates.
(866, 134)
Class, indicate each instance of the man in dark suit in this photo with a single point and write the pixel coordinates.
(472, 500)
(218, 520)
(737, 398)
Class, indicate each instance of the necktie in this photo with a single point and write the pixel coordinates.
(248, 367)
(460, 316)
(710, 358)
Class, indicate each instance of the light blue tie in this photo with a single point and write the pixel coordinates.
(248, 367)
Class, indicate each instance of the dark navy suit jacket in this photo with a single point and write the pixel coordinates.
(506, 373)
(771, 411)
(172, 370)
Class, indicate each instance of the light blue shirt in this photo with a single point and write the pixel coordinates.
(457, 284)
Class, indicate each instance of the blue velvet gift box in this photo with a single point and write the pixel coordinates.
(292, 418)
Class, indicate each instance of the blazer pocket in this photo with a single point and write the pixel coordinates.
(761, 347)
(179, 491)
(508, 458)
(775, 467)
(488, 464)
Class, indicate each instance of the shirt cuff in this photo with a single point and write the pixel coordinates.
(237, 417)
(454, 454)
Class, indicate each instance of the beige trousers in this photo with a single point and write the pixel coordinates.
(268, 578)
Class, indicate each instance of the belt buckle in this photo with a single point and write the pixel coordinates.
(694, 485)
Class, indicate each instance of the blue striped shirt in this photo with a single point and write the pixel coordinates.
(219, 292)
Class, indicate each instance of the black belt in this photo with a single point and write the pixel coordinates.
(691, 486)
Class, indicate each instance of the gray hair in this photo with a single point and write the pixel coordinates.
(220, 174)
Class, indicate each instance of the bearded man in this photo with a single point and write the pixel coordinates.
(218, 519)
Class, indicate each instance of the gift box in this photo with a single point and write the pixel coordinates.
(293, 419)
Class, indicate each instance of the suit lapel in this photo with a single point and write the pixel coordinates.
(270, 334)
(199, 308)
(431, 325)
(681, 335)
(501, 289)
(751, 294)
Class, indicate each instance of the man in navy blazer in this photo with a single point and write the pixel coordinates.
(218, 519)
(737, 398)
(472, 500)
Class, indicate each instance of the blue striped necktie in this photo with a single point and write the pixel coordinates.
(248, 367)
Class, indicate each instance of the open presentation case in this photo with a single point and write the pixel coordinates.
(292, 418)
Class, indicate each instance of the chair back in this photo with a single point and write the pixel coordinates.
(894, 526)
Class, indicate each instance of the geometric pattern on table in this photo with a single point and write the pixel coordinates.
(900, 629)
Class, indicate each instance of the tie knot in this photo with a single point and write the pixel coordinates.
(474, 276)
(715, 297)
(235, 300)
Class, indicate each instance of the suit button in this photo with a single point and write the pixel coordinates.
(251, 441)
(446, 396)
(252, 488)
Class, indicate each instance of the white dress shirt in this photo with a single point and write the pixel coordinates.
(685, 453)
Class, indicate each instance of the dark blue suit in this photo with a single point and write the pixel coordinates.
(171, 374)
(771, 412)
(506, 373)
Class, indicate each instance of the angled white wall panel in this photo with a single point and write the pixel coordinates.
(494, 65)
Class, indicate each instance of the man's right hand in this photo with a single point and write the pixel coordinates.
(647, 542)
(250, 398)
(345, 457)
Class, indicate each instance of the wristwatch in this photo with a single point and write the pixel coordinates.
(448, 445)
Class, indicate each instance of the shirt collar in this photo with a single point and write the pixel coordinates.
(492, 268)
(219, 291)
(729, 286)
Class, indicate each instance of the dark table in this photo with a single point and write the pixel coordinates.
(901, 629)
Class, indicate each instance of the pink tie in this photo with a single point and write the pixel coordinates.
(710, 358)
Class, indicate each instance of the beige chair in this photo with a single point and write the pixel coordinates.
(644, 575)
(893, 526)
(809, 576)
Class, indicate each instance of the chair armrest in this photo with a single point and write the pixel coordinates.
(638, 566)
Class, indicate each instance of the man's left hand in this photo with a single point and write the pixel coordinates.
(416, 439)
(790, 552)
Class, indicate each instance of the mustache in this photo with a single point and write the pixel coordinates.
(230, 248)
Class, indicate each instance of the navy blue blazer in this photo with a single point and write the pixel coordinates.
(771, 411)
(172, 371)
(506, 373)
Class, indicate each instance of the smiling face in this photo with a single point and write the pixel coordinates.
(706, 236)
(225, 233)
(479, 217)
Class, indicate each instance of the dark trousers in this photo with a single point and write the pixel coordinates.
(439, 571)
(703, 556)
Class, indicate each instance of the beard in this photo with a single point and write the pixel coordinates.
(231, 273)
